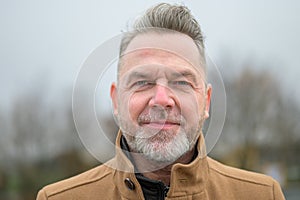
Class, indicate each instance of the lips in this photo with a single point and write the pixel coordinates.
(160, 124)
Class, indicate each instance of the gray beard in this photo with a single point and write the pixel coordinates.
(161, 149)
(161, 146)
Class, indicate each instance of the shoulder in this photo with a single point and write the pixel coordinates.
(234, 183)
(238, 175)
(75, 185)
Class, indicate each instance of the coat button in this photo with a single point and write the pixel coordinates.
(130, 185)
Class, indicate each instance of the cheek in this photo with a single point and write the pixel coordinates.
(136, 105)
(190, 112)
(124, 105)
(192, 108)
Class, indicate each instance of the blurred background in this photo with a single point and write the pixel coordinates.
(255, 44)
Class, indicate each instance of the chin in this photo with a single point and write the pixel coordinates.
(166, 152)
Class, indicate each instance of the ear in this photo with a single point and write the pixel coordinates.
(207, 100)
(114, 97)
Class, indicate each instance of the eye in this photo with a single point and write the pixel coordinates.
(181, 83)
(143, 84)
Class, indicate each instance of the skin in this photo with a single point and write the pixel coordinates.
(161, 101)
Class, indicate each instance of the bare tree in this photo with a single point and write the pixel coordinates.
(257, 117)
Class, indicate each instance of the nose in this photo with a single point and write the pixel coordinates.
(162, 97)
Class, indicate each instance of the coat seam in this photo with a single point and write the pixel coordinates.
(75, 186)
(240, 179)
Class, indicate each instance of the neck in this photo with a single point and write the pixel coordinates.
(159, 171)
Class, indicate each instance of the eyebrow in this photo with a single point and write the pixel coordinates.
(174, 75)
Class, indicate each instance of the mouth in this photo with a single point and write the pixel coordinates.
(161, 125)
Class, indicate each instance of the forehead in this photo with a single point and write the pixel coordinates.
(175, 50)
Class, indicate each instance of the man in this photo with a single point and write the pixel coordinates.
(161, 100)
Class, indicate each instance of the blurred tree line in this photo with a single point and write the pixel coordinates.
(39, 144)
(261, 132)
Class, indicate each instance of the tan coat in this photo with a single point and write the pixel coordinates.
(204, 178)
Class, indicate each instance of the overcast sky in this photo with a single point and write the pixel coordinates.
(49, 40)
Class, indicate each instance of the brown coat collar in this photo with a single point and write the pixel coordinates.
(186, 179)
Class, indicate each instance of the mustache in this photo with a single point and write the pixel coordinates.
(161, 116)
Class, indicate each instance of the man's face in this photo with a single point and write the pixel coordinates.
(161, 99)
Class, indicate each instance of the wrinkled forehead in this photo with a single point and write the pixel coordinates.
(172, 48)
